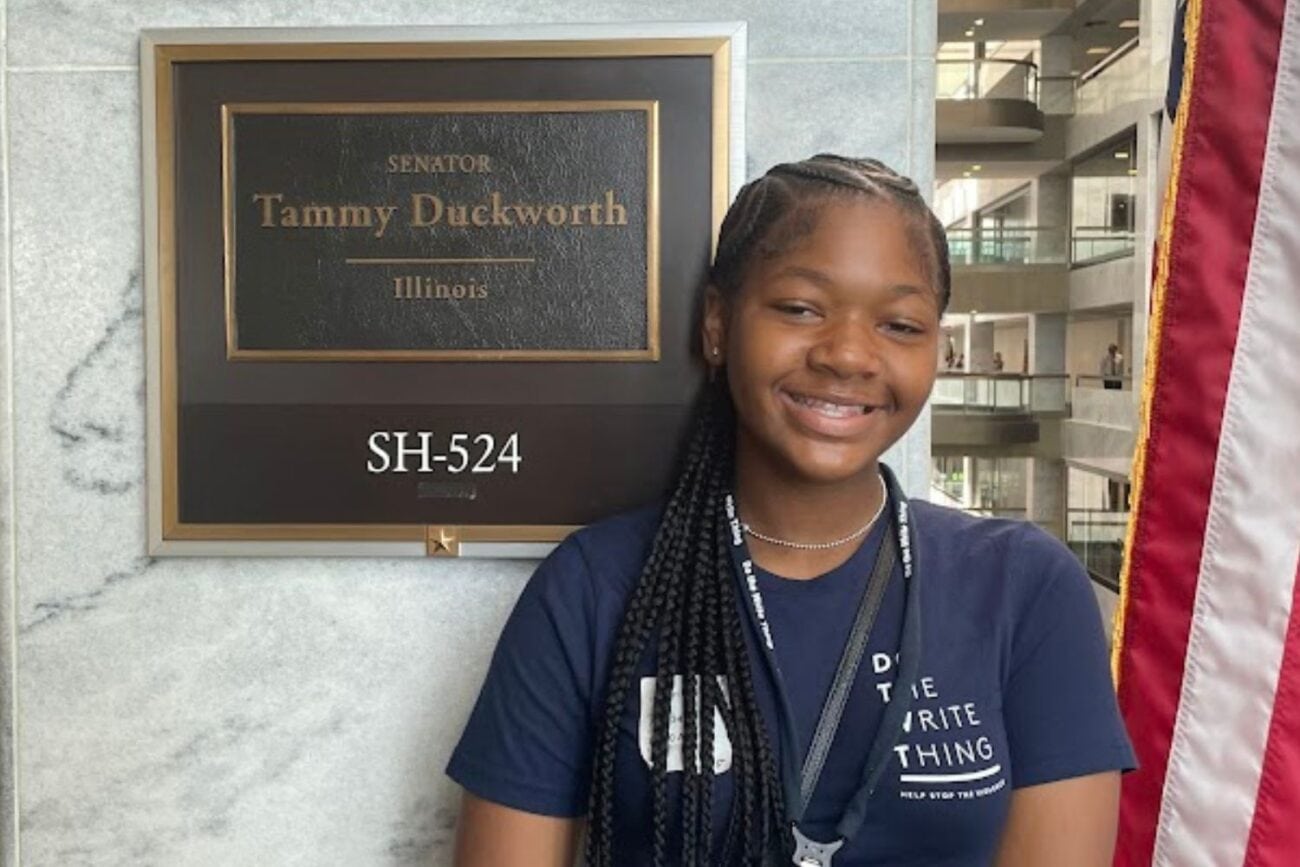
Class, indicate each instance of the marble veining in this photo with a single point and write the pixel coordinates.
(98, 425)
(425, 828)
(44, 611)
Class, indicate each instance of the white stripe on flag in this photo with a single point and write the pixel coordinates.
(1244, 589)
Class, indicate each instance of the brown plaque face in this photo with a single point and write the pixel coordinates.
(429, 292)
(433, 231)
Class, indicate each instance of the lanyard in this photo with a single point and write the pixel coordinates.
(798, 783)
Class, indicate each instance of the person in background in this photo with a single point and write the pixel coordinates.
(997, 362)
(1112, 368)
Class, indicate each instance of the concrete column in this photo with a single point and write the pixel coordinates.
(1055, 84)
(1047, 357)
(1045, 494)
(1146, 216)
(1049, 202)
(967, 330)
(1047, 343)
(967, 482)
(979, 357)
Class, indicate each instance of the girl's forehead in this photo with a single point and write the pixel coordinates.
(860, 234)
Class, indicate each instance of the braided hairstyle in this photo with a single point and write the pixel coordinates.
(685, 603)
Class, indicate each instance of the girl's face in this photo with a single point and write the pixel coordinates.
(831, 346)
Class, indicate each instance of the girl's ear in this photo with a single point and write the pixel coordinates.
(713, 328)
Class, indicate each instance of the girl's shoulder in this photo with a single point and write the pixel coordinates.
(953, 534)
(623, 535)
(601, 561)
(1008, 569)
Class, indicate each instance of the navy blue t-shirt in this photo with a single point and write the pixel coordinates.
(1013, 688)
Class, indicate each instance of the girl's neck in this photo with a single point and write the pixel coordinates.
(799, 510)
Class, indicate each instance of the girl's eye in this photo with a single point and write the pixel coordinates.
(794, 309)
(906, 328)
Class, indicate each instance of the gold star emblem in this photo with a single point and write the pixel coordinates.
(442, 542)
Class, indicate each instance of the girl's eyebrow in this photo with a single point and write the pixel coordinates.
(823, 280)
(812, 275)
(900, 290)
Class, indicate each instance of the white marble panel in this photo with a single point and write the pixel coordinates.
(8, 854)
(799, 108)
(910, 458)
(177, 712)
(105, 32)
(921, 135)
(78, 378)
(255, 712)
(925, 29)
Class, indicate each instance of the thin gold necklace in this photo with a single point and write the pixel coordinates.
(822, 546)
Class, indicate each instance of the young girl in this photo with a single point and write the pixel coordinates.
(789, 662)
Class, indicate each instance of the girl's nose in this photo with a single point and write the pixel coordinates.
(847, 347)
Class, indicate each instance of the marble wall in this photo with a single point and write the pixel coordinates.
(178, 712)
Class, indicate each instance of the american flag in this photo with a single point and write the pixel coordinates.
(1207, 649)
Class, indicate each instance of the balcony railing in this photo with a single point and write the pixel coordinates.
(1008, 245)
(947, 492)
(1123, 383)
(1000, 393)
(1097, 538)
(1114, 408)
(1092, 244)
(985, 78)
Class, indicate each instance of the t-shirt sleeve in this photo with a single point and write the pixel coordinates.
(528, 740)
(1059, 704)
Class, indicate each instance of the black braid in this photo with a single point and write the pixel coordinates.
(684, 606)
(691, 669)
(632, 642)
(711, 694)
(670, 643)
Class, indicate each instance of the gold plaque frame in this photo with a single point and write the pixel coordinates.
(162, 51)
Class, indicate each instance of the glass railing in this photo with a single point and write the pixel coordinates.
(1092, 244)
(945, 493)
(1008, 245)
(1106, 401)
(1097, 538)
(1121, 383)
(1010, 393)
(941, 494)
(985, 78)
(946, 489)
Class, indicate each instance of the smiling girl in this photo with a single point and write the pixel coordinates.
(788, 661)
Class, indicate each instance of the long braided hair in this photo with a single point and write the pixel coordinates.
(685, 604)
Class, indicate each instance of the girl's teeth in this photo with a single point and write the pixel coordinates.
(832, 409)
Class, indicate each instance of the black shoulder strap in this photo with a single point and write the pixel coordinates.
(833, 708)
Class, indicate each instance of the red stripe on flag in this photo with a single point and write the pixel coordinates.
(1220, 164)
(1274, 831)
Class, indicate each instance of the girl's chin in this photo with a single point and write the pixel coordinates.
(838, 471)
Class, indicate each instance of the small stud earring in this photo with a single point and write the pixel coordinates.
(715, 352)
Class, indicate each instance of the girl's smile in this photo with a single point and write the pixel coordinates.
(829, 414)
